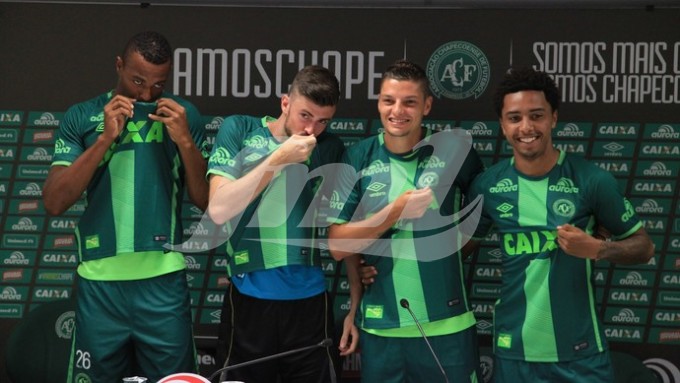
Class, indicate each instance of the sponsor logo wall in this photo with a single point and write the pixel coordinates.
(620, 90)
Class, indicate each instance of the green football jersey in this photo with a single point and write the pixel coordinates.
(134, 199)
(417, 260)
(278, 227)
(547, 310)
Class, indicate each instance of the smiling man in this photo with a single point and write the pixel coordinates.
(547, 205)
(402, 189)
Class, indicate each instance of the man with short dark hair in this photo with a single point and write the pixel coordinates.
(134, 149)
(547, 205)
(277, 300)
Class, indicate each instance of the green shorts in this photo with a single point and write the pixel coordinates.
(592, 369)
(132, 328)
(398, 360)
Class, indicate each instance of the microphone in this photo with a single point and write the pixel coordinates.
(404, 303)
(324, 344)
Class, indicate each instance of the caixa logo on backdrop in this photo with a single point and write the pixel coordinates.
(458, 70)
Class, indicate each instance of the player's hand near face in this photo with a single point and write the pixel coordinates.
(174, 117)
(116, 112)
(295, 149)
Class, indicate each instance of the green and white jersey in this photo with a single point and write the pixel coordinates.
(547, 310)
(416, 259)
(278, 228)
(134, 199)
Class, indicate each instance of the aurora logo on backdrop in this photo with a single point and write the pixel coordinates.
(458, 70)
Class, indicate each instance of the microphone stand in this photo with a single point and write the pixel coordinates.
(324, 343)
(404, 303)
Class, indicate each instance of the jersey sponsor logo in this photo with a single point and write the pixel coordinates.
(376, 167)
(504, 186)
(504, 209)
(60, 147)
(92, 241)
(532, 242)
(564, 185)
(376, 189)
(253, 157)
(458, 70)
(374, 311)
(432, 162)
(504, 340)
(98, 117)
(256, 142)
(564, 208)
(139, 134)
(630, 211)
(222, 157)
(336, 202)
(241, 257)
(214, 124)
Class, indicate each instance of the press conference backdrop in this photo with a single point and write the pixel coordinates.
(618, 71)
